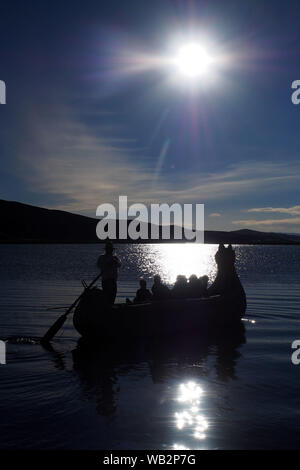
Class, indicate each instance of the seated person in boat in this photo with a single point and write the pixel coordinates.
(197, 287)
(193, 286)
(109, 265)
(143, 294)
(203, 281)
(159, 290)
(180, 289)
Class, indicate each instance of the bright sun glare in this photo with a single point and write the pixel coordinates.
(193, 60)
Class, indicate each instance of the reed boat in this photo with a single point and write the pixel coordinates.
(224, 306)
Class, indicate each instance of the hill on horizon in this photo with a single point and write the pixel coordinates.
(24, 223)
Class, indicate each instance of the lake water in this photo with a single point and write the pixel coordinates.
(239, 393)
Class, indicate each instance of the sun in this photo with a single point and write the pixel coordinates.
(193, 60)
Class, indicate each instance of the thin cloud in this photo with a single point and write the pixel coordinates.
(80, 169)
(267, 222)
(215, 214)
(294, 210)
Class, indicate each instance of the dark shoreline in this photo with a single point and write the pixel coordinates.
(25, 224)
(143, 242)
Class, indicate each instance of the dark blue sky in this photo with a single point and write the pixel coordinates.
(91, 116)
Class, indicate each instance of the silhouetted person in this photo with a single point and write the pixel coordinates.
(109, 265)
(180, 289)
(159, 290)
(203, 282)
(143, 294)
(193, 286)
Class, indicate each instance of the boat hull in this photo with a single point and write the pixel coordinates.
(161, 318)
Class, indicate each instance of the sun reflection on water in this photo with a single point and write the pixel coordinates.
(190, 417)
(172, 259)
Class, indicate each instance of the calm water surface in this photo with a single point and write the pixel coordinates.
(236, 392)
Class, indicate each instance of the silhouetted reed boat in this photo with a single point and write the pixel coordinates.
(225, 306)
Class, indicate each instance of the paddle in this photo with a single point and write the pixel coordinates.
(61, 320)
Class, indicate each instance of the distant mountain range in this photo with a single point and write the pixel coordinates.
(23, 223)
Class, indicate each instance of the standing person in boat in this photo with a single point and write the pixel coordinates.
(159, 290)
(109, 265)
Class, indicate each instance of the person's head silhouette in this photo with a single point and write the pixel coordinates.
(109, 248)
